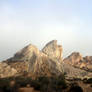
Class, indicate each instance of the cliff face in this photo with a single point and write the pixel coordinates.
(38, 63)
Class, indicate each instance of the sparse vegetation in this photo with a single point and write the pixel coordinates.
(43, 84)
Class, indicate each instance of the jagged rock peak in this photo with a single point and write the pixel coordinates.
(53, 50)
(26, 53)
(75, 57)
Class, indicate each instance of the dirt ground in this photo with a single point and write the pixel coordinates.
(25, 89)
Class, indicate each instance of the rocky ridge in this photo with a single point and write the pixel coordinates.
(30, 61)
(38, 63)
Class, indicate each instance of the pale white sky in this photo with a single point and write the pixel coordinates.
(38, 21)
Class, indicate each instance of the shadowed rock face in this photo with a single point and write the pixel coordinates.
(38, 63)
(53, 50)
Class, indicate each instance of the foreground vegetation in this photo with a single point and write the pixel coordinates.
(42, 84)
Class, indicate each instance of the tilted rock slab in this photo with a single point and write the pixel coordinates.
(53, 50)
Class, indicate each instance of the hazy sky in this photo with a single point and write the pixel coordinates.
(39, 21)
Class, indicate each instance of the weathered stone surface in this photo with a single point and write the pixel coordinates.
(53, 50)
(6, 70)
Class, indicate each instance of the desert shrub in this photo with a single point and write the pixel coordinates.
(44, 84)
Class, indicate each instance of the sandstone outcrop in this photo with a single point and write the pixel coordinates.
(53, 50)
(74, 58)
(38, 63)
(30, 61)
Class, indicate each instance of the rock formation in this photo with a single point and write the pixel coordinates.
(76, 60)
(73, 72)
(88, 59)
(29, 61)
(88, 62)
(26, 53)
(53, 50)
(38, 63)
